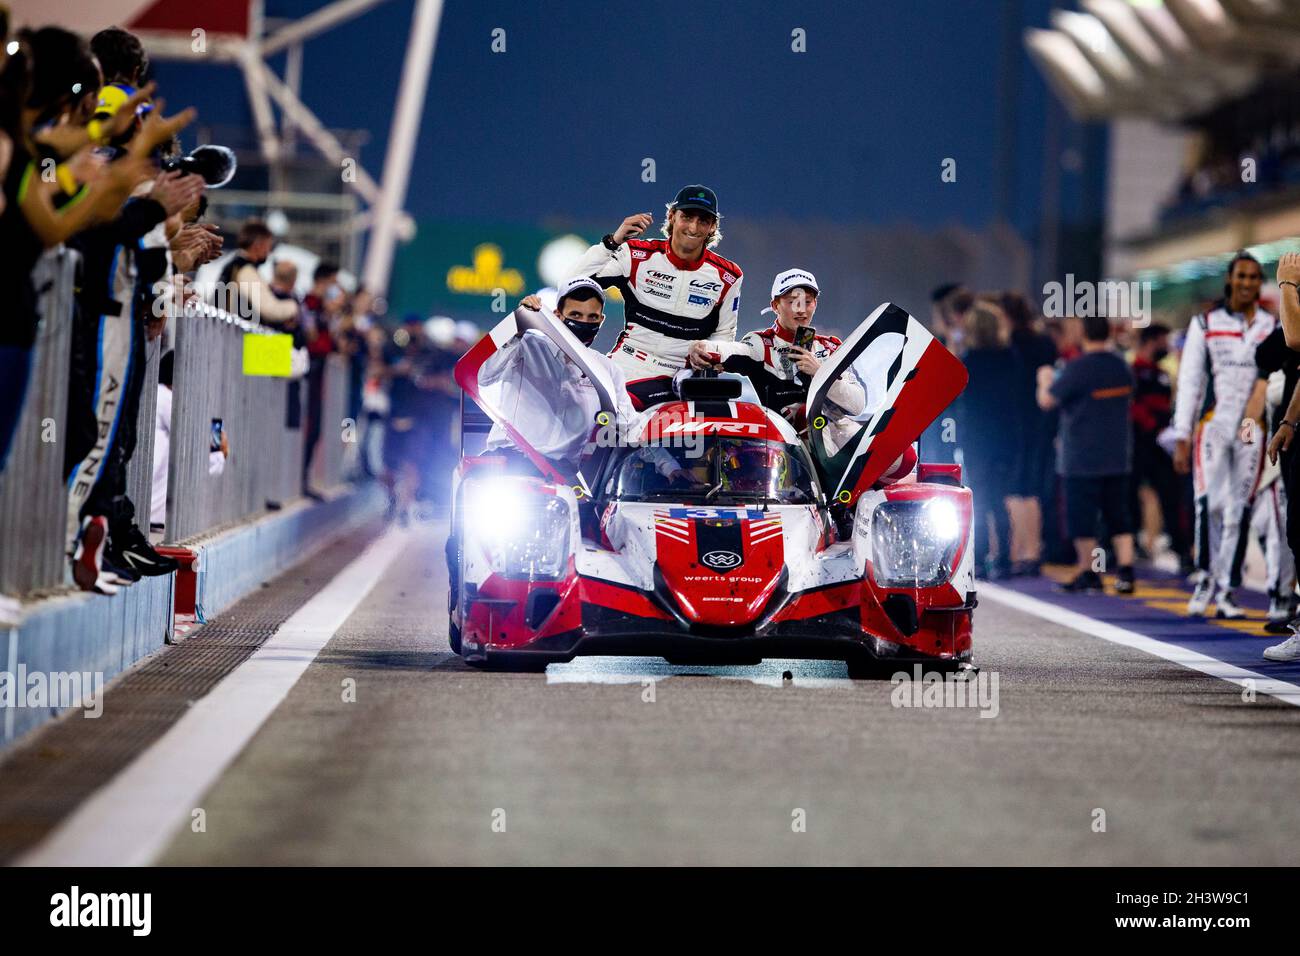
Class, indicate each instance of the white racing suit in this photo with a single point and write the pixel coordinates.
(1217, 375)
(547, 398)
(765, 357)
(1268, 519)
(1268, 524)
(668, 303)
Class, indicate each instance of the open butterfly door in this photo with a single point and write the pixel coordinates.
(516, 381)
(874, 397)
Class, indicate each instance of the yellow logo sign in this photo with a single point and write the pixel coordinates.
(270, 355)
(485, 276)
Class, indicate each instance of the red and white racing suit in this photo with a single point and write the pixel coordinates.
(668, 303)
(783, 388)
(1219, 360)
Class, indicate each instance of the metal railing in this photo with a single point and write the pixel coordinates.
(33, 498)
(264, 468)
(331, 458)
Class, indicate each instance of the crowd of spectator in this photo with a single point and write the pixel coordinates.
(1067, 437)
(1226, 169)
(90, 161)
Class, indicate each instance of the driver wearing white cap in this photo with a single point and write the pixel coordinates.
(781, 360)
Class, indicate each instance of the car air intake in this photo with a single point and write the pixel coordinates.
(539, 606)
(695, 388)
(901, 609)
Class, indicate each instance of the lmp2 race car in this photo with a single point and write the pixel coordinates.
(708, 532)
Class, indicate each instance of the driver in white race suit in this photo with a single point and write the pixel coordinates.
(676, 291)
(1218, 370)
(548, 400)
(782, 370)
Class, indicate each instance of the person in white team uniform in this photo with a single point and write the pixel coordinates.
(783, 370)
(548, 400)
(1218, 360)
(676, 292)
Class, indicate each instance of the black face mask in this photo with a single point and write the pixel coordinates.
(585, 331)
(1161, 355)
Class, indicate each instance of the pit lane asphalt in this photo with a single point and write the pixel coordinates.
(433, 759)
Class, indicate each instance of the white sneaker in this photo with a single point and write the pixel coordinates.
(1199, 602)
(1288, 650)
(1226, 609)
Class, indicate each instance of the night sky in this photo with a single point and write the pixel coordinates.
(853, 130)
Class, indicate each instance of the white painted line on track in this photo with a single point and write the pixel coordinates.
(1193, 660)
(131, 819)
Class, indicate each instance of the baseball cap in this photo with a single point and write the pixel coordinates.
(696, 197)
(113, 97)
(793, 279)
(570, 286)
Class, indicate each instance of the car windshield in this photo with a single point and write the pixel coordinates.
(719, 470)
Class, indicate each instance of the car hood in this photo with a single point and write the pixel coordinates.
(716, 566)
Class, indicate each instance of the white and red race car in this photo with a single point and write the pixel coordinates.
(716, 535)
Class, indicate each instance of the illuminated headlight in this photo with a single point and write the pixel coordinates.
(523, 533)
(913, 543)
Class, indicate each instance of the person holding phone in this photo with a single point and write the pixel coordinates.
(782, 359)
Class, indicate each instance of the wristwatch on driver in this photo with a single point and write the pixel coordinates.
(1294, 426)
(608, 242)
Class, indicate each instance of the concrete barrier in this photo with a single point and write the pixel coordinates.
(77, 633)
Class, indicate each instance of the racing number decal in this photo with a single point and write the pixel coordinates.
(735, 514)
